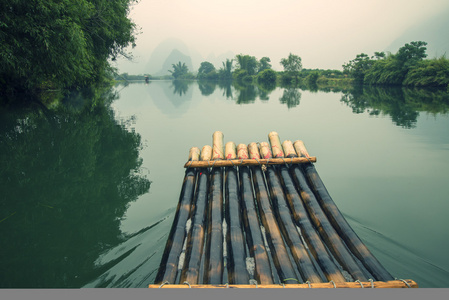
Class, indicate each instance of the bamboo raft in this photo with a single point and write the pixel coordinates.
(259, 216)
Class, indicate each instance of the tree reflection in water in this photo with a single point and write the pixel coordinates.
(68, 175)
(403, 105)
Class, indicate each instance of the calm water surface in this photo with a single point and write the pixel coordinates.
(88, 196)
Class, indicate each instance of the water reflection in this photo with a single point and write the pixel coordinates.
(401, 104)
(291, 97)
(67, 177)
(180, 87)
(207, 87)
(226, 87)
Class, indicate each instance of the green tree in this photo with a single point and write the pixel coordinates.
(247, 63)
(179, 70)
(207, 71)
(267, 76)
(61, 44)
(358, 67)
(225, 72)
(264, 64)
(411, 54)
(433, 72)
(292, 65)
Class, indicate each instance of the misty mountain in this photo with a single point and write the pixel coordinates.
(434, 31)
(172, 51)
(160, 54)
(174, 57)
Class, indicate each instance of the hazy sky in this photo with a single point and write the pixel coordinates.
(324, 33)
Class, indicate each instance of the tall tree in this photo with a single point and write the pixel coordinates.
(206, 70)
(358, 67)
(247, 63)
(264, 64)
(225, 72)
(179, 70)
(292, 65)
(62, 44)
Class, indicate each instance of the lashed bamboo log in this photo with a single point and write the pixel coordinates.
(235, 240)
(405, 283)
(248, 162)
(169, 264)
(275, 143)
(195, 240)
(339, 222)
(254, 238)
(299, 212)
(217, 145)
(279, 253)
(214, 243)
(325, 228)
(285, 221)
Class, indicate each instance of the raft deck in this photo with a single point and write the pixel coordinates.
(259, 216)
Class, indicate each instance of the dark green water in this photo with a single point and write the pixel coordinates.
(88, 195)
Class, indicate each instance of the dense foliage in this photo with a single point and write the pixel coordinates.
(60, 43)
(408, 67)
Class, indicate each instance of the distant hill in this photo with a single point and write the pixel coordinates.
(433, 31)
(159, 55)
(172, 51)
(174, 57)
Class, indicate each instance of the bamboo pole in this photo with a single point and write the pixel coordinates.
(236, 246)
(217, 148)
(254, 238)
(299, 212)
(169, 264)
(195, 240)
(214, 243)
(325, 228)
(286, 223)
(339, 222)
(405, 283)
(278, 251)
(248, 162)
(275, 144)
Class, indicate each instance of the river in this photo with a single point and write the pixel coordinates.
(88, 196)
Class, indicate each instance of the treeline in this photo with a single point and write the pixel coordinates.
(62, 44)
(407, 67)
(247, 69)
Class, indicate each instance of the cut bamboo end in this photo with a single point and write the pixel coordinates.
(300, 148)
(230, 152)
(206, 153)
(265, 151)
(407, 283)
(253, 151)
(242, 151)
(275, 144)
(194, 154)
(217, 142)
(289, 150)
